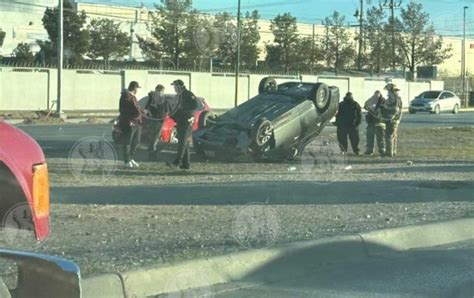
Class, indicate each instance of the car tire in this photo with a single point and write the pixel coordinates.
(267, 84)
(199, 151)
(261, 133)
(411, 111)
(456, 109)
(203, 119)
(437, 110)
(320, 96)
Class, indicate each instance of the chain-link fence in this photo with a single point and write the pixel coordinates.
(455, 85)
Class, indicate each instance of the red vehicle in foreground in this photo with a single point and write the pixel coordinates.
(24, 178)
(24, 205)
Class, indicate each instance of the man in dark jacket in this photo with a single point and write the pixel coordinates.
(156, 108)
(348, 119)
(130, 123)
(184, 118)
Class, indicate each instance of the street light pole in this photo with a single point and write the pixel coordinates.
(463, 60)
(237, 63)
(60, 57)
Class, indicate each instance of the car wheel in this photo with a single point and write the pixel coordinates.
(412, 111)
(174, 136)
(456, 109)
(267, 84)
(204, 118)
(437, 109)
(262, 133)
(320, 96)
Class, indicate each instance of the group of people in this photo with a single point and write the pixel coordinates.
(132, 116)
(383, 119)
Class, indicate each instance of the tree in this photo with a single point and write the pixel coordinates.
(418, 42)
(376, 38)
(170, 31)
(249, 38)
(225, 35)
(307, 54)
(107, 40)
(282, 50)
(23, 53)
(76, 37)
(338, 50)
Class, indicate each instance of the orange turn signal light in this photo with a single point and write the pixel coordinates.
(41, 190)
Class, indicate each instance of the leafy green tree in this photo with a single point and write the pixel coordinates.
(76, 37)
(107, 40)
(282, 50)
(338, 51)
(23, 53)
(376, 34)
(249, 38)
(225, 35)
(170, 31)
(418, 41)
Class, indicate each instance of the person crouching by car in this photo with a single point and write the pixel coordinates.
(156, 109)
(184, 118)
(348, 120)
(130, 123)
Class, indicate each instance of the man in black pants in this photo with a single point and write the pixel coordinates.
(156, 109)
(184, 118)
(348, 119)
(130, 123)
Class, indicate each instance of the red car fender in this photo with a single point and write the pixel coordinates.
(19, 153)
(169, 123)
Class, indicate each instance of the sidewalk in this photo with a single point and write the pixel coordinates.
(295, 257)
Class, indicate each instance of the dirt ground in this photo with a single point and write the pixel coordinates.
(105, 238)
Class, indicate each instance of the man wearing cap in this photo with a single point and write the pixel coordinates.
(156, 108)
(184, 118)
(391, 111)
(130, 123)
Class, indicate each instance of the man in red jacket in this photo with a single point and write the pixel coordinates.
(130, 123)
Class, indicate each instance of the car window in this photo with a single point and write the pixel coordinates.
(429, 95)
(447, 95)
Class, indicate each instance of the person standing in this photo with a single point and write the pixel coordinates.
(184, 118)
(156, 108)
(375, 126)
(391, 111)
(130, 123)
(348, 120)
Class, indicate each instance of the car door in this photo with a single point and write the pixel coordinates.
(448, 101)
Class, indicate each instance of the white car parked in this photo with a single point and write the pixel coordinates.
(435, 102)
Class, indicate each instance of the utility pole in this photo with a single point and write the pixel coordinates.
(360, 15)
(463, 60)
(237, 62)
(60, 58)
(312, 48)
(392, 5)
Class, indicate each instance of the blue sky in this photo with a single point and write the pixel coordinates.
(446, 15)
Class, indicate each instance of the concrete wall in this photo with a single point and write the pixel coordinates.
(93, 90)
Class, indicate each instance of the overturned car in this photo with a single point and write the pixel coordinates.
(275, 124)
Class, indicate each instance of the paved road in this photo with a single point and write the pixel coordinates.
(64, 136)
(445, 271)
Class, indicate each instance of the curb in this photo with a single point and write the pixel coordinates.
(202, 273)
